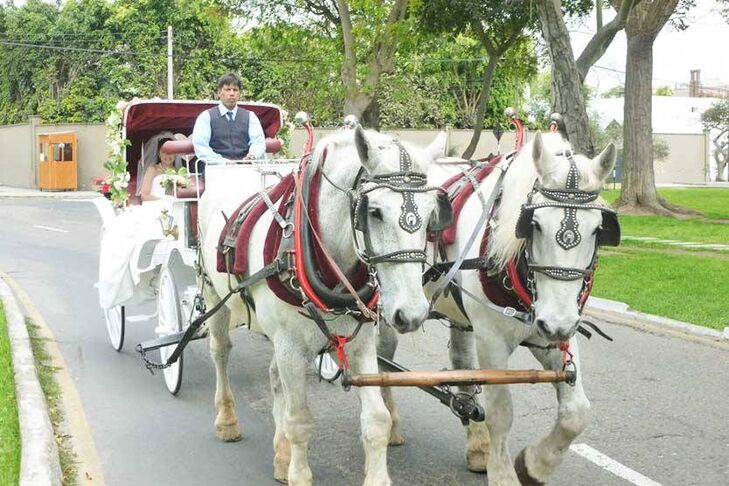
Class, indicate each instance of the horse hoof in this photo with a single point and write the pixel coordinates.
(476, 461)
(396, 439)
(228, 433)
(522, 473)
(281, 474)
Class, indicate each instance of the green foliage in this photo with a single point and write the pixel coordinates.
(717, 115)
(289, 56)
(664, 91)
(614, 92)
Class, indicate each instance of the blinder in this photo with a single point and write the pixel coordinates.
(443, 216)
(608, 234)
(441, 219)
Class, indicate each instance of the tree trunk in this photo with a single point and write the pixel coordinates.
(356, 104)
(638, 191)
(639, 185)
(488, 76)
(566, 84)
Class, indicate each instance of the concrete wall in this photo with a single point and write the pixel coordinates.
(687, 160)
(686, 163)
(457, 140)
(19, 149)
(91, 149)
(16, 145)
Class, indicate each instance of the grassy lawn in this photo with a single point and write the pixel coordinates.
(690, 285)
(9, 431)
(52, 392)
(689, 288)
(713, 202)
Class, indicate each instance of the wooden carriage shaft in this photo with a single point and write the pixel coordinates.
(460, 377)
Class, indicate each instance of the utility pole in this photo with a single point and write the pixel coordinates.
(170, 78)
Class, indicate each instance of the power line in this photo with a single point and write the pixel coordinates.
(67, 48)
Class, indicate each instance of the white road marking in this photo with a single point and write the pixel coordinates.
(612, 465)
(50, 228)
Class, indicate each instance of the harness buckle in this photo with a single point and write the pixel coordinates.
(509, 311)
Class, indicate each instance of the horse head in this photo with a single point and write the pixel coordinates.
(393, 209)
(563, 223)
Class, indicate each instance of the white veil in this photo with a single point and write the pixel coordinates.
(149, 156)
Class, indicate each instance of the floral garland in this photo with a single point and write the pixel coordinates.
(117, 181)
(284, 133)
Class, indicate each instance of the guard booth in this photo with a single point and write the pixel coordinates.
(58, 165)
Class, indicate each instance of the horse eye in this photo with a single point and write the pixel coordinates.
(536, 226)
(597, 230)
(375, 213)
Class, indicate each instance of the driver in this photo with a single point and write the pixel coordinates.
(227, 133)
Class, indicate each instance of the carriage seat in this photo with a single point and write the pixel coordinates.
(185, 147)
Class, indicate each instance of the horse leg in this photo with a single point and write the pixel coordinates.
(536, 464)
(227, 427)
(281, 445)
(374, 417)
(298, 422)
(493, 353)
(386, 347)
(461, 352)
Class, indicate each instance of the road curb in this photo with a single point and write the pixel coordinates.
(597, 306)
(39, 463)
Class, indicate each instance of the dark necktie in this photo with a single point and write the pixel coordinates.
(230, 116)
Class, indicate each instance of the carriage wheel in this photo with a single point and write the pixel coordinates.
(326, 367)
(169, 322)
(115, 325)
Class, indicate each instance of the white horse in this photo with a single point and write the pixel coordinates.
(555, 311)
(296, 340)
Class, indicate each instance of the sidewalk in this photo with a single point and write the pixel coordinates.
(19, 192)
(621, 313)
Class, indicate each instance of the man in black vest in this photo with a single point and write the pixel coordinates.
(226, 133)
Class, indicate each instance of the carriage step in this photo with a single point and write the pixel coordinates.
(168, 340)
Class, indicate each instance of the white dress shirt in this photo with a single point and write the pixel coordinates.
(201, 136)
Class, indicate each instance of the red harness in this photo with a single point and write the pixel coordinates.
(283, 193)
(507, 288)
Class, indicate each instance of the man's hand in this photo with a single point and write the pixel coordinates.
(248, 157)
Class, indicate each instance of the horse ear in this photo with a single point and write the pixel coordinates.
(603, 164)
(542, 160)
(364, 148)
(437, 147)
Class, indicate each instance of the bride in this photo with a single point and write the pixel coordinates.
(155, 164)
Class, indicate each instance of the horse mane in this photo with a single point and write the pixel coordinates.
(344, 140)
(518, 183)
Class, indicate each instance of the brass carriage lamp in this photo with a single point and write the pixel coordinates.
(168, 224)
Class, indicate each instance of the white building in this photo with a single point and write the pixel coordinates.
(677, 120)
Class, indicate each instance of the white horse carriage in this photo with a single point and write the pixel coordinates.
(149, 250)
(324, 253)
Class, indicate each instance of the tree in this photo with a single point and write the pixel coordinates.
(568, 73)
(496, 25)
(614, 92)
(638, 192)
(664, 91)
(716, 118)
(369, 32)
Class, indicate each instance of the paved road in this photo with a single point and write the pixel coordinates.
(660, 405)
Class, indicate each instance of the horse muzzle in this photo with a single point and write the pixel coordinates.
(406, 320)
(554, 332)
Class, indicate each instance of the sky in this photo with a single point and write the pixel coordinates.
(704, 45)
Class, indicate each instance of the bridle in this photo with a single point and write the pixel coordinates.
(572, 199)
(407, 182)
